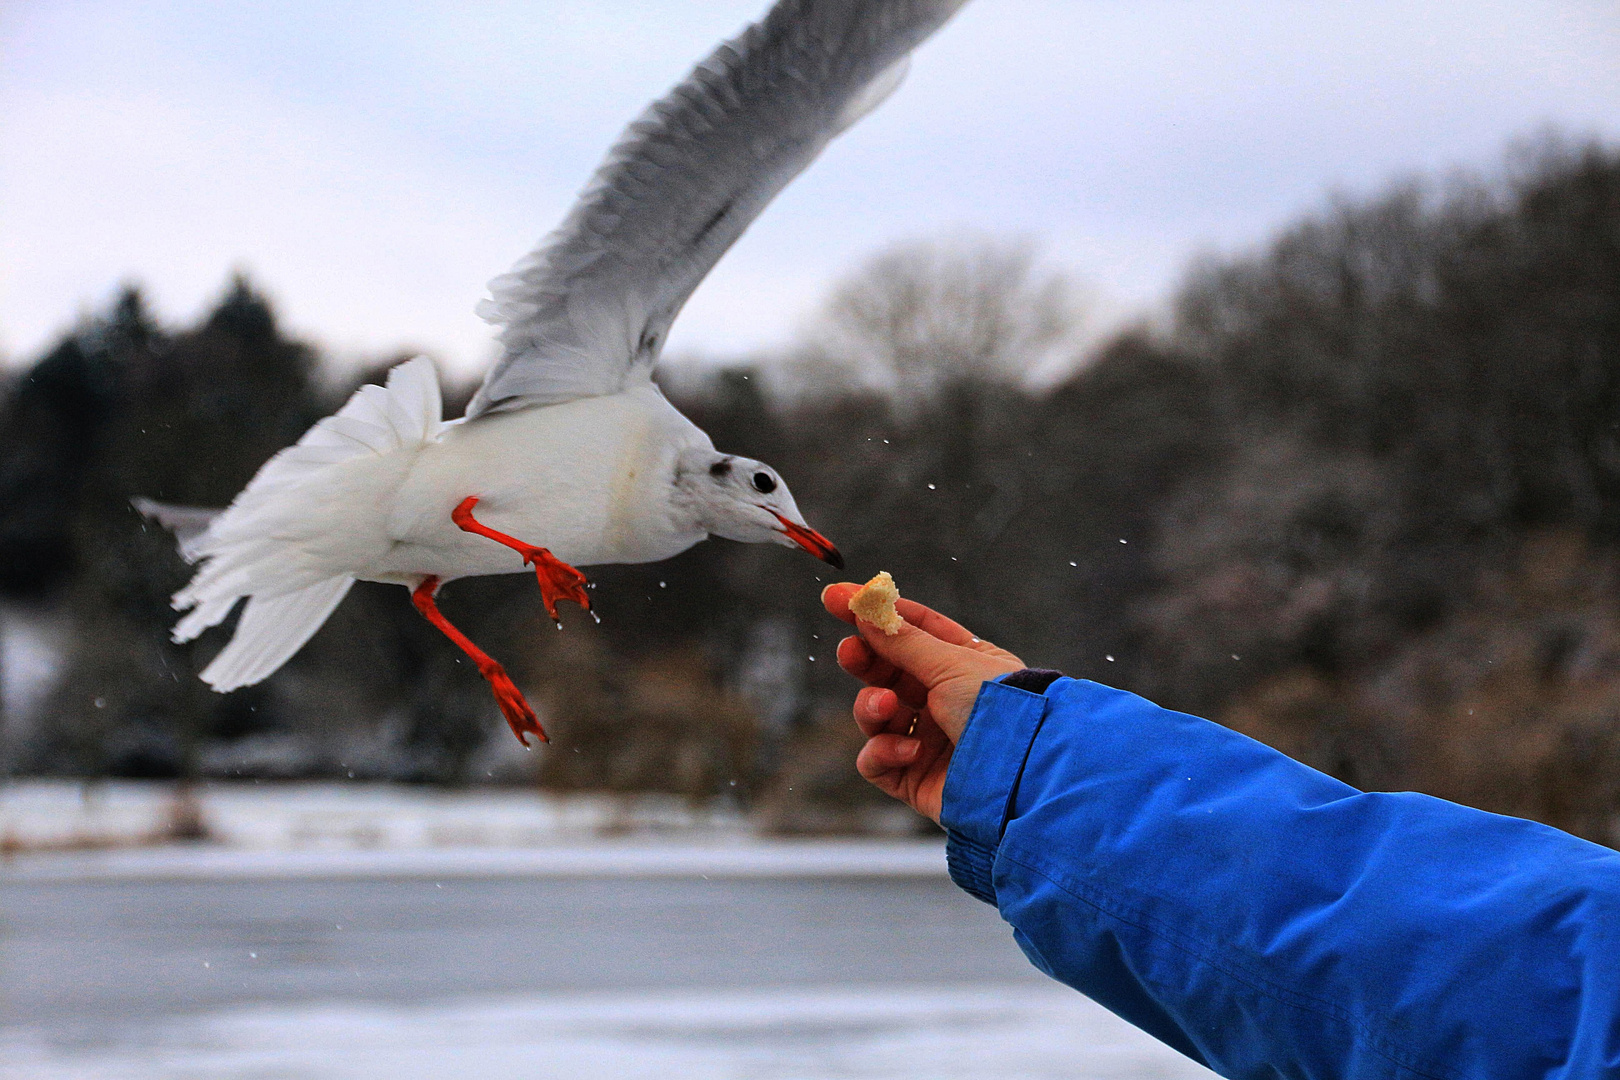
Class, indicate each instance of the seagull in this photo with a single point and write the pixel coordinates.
(568, 454)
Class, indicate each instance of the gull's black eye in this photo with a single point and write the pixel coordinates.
(764, 483)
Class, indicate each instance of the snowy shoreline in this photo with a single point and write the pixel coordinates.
(65, 830)
(68, 814)
(606, 858)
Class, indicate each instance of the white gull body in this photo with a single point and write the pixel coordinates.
(594, 477)
(593, 480)
(568, 445)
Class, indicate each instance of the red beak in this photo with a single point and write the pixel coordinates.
(811, 541)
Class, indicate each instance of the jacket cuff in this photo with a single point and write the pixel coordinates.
(972, 866)
(983, 778)
(1033, 679)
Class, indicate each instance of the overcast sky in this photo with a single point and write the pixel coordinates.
(372, 165)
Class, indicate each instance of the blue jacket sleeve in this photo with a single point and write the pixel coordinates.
(1265, 919)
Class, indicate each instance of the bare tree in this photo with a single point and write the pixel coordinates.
(922, 315)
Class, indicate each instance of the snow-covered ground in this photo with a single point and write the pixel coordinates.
(893, 1033)
(723, 858)
(61, 814)
(59, 830)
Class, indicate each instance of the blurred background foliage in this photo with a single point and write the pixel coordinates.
(1358, 496)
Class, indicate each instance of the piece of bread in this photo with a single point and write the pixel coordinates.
(875, 603)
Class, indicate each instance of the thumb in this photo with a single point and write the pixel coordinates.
(915, 651)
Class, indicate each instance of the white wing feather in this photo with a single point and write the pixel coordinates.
(588, 311)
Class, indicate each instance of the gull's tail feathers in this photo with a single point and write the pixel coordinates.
(271, 629)
(312, 515)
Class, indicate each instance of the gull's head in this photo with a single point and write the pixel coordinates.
(743, 499)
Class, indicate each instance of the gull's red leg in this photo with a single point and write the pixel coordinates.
(558, 580)
(518, 714)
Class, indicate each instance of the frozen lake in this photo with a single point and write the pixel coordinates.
(407, 973)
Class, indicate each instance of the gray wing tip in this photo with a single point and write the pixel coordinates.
(188, 523)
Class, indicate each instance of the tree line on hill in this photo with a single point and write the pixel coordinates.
(1359, 497)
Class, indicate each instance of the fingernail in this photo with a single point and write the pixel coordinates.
(908, 748)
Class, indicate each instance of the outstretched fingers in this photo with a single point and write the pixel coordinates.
(913, 650)
(927, 647)
(932, 622)
(856, 657)
(836, 597)
(921, 684)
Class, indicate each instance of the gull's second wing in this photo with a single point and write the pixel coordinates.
(588, 311)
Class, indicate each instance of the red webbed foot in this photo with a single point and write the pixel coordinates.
(558, 580)
(514, 706)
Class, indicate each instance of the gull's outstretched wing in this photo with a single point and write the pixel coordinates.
(587, 312)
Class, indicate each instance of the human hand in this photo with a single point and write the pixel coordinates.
(921, 685)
